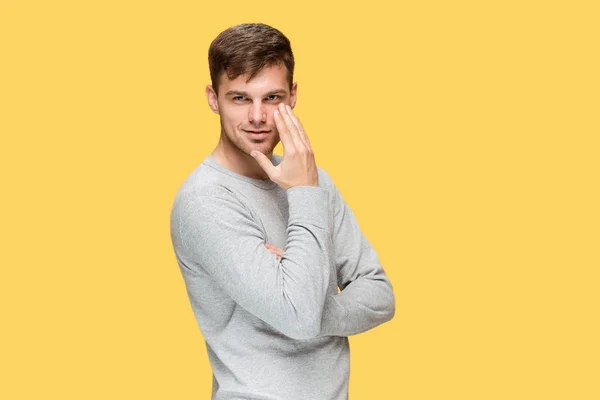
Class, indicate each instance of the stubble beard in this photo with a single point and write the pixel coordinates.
(244, 144)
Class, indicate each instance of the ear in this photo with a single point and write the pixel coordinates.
(293, 94)
(211, 95)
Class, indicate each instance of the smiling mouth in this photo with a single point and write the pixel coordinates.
(258, 135)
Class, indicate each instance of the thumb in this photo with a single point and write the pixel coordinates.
(264, 162)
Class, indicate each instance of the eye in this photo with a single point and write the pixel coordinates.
(273, 97)
(238, 98)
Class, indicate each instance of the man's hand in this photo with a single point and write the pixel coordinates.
(298, 167)
(275, 250)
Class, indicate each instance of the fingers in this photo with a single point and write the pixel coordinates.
(298, 167)
(290, 127)
(264, 163)
(291, 131)
(274, 249)
(278, 254)
(301, 133)
(284, 133)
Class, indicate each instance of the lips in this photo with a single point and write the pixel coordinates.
(258, 135)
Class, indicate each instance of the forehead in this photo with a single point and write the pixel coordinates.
(268, 79)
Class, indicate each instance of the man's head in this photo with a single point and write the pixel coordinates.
(246, 49)
(251, 68)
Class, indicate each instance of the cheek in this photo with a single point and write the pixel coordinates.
(234, 115)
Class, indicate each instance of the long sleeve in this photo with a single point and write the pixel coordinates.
(221, 236)
(366, 298)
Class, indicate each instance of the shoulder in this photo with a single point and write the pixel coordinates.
(204, 198)
(201, 183)
(202, 212)
(210, 197)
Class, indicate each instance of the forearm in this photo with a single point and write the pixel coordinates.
(366, 299)
(218, 235)
(305, 263)
(362, 305)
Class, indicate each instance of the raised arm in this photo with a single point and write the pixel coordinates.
(218, 234)
(366, 298)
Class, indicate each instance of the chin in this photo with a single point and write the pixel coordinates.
(262, 147)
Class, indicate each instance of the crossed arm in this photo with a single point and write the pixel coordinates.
(215, 232)
(366, 298)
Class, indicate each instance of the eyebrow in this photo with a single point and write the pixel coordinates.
(241, 93)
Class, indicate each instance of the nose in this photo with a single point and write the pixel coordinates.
(257, 114)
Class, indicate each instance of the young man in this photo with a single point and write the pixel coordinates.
(264, 241)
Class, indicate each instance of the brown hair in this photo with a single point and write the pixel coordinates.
(246, 49)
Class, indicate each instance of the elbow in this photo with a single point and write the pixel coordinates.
(391, 310)
(391, 306)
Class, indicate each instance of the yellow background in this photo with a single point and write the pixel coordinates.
(463, 134)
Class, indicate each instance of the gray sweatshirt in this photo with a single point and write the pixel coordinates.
(276, 329)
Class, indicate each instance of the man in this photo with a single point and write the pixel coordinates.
(264, 241)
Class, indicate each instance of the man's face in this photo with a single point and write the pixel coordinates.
(246, 108)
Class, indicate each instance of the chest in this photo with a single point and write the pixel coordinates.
(272, 212)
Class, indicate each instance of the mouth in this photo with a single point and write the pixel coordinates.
(257, 134)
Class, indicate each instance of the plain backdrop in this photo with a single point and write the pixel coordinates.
(463, 134)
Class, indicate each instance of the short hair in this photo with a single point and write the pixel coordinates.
(247, 49)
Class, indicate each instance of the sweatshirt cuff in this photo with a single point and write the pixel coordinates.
(309, 204)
